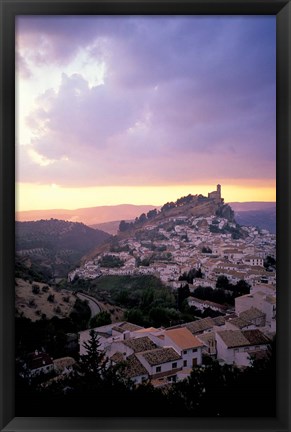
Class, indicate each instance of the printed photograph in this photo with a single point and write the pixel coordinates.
(145, 249)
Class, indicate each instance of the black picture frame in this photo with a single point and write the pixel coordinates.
(10, 9)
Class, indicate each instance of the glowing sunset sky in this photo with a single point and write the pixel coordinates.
(143, 110)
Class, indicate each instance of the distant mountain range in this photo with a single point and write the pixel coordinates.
(252, 205)
(107, 218)
(88, 216)
(261, 214)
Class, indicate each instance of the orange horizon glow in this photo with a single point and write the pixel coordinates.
(51, 197)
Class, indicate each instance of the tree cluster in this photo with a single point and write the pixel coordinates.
(139, 221)
(111, 261)
(192, 274)
(239, 289)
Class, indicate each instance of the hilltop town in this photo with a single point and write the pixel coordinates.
(177, 292)
(198, 252)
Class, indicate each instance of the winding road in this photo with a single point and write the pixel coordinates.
(92, 303)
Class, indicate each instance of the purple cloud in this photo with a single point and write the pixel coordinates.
(179, 93)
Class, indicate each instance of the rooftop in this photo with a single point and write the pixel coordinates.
(160, 355)
(134, 367)
(200, 326)
(255, 337)
(207, 338)
(237, 338)
(233, 338)
(117, 357)
(251, 314)
(239, 322)
(140, 344)
(183, 338)
(126, 326)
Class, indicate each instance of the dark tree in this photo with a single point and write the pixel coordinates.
(100, 319)
(142, 218)
(242, 287)
(93, 362)
(182, 293)
(124, 226)
(152, 213)
(222, 282)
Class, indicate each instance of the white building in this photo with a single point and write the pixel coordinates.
(237, 347)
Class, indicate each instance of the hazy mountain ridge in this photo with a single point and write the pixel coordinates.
(261, 214)
(252, 205)
(88, 216)
(56, 245)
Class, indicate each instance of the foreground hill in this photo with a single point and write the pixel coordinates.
(56, 245)
(88, 216)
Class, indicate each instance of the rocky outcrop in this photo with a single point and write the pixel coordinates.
(225, 211)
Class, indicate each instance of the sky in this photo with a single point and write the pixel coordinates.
(144, 109)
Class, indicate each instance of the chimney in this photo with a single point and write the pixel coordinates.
(126, 335)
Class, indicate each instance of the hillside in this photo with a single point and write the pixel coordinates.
(56, 245)
(189, 207)
(88, 216)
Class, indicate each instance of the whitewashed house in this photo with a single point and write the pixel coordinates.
(237, 347)
(186, 344)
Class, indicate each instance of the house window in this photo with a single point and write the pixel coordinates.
(185, 352)
(185, 363)
(194, 350)
(174, 365)
(158, 369)
(236, 350)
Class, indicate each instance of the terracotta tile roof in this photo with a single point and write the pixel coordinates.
(126, 326)
(117, 357)
(62, 363)
(236, 338)
(219, 320)
(207, 338)
(200, 326)
(134, 367)
(239, 322)
(140, 344)
(251, 314)
(207, 302)
(144, 330)
(255, 337)
(183, 338)
(233, 338)
(160, 355)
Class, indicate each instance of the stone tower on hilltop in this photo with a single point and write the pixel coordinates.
(216, 195)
